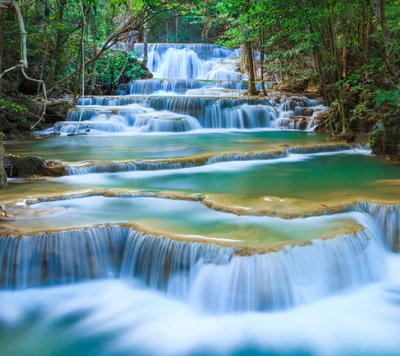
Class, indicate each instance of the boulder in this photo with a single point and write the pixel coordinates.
(22, 167)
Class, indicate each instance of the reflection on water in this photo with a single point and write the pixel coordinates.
(148, 146)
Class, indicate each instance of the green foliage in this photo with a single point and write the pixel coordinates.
(8, 106)
(117, 67)
(385, 139)
(14, 122)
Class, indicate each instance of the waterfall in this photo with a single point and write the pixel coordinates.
(184, 86)
(61, 257)
(204, 50)
(181, 86)
(150, 121)
(190, 61)
(151, 86)
(387, 216)
(293, 276)
(321, 148)
(247, 156)
(214, 92)
(297, 123)
(211, 88)
(211, 112)
(241, 117)
(124, 167)
(188, 163)
(210, 277)
(164, 121)
(227, 70)
(167, 264)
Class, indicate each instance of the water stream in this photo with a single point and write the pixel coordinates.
(191, 219)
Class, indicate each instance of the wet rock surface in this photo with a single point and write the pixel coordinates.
(20, 167)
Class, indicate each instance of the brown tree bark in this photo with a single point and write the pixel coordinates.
(57, 47)
(145, 45)
(252, 86)
(378, 8)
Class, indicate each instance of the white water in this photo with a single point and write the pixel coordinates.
(220, 162)
(114, 319)
(199, 81)
(207, 276)
(340, 296)
(159, 114)
(196, 61)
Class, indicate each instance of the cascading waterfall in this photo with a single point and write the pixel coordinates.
(169, 265)
(209, 276)
(208, 76)
(164, 121)
(321, 148)
(211, 113)
(247, 156)
(226, 70)
(190, 61)
(179, 86)
(218, 158)
(140, 120)
(240, 117)
(297, 124)
(102, 122)
(293, 276)
(387, 216)
(182, 86)
(213, 279)
(214, 92)
(151, 86)
(124, 167)
(61, 257)
(205, 51)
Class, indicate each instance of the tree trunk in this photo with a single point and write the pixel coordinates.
(262, 72)
(378, 7)
(80, 64)
(145, 45)
(252, 86)
(57, 47)
(23, 63)
(94, 48)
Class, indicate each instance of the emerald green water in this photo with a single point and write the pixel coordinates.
(293, 183)
(153, 146)
(183, 217)
(318, 178)
(113, 317)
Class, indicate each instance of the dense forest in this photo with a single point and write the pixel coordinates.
(346, 52)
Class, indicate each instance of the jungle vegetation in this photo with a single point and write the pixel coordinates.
(346, 51)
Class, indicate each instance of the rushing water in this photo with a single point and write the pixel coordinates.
(195, 220)
(193, 61)
(135, 113)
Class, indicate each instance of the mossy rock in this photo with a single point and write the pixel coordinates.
(20, 167)
(303, 125)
